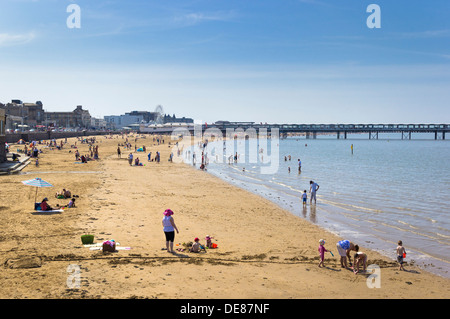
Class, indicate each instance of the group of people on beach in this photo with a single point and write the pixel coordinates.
(64, 194)
(313, 188)
(345, 247)
(169, 228)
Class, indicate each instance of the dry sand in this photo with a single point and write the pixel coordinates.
(264, 251)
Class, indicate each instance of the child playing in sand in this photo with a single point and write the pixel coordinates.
(195, 246)
(401, 253)
(71, 203)
(322, 251)
(358, 257)
(304, 197)
(209, 243)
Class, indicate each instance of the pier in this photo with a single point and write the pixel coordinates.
(309, 130)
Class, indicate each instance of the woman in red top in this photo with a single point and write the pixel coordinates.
(44, 205)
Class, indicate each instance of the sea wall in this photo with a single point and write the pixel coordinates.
(37, 136)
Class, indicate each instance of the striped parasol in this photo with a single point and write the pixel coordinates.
(37, 182)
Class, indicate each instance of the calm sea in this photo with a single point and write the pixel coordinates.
(387, 190)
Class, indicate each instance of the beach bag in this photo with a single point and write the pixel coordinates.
(109, 246)
(87, 239)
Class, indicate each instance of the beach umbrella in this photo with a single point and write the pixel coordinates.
(37, 182)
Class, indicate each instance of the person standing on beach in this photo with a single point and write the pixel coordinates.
(299, 166)
(118, 151)
(322, 252)
(401, 253)
(314, 187)
(304, 198)
(169, 228)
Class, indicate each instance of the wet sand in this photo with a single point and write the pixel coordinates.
(263, 251)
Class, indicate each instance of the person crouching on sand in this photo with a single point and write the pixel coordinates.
(358, 258)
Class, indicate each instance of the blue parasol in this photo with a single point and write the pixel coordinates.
(37, 182)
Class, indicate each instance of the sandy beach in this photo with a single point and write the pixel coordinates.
(263, 251)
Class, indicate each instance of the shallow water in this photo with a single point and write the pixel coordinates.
(387, 190)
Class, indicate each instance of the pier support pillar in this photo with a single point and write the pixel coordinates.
(345, 135)
(406, 135)
(337, 135)
(314, 135)
(307, 135)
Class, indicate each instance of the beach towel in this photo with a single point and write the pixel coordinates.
(117, 248)
(97, 245)
(49, 211)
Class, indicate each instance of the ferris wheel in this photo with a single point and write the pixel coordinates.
(159, 118)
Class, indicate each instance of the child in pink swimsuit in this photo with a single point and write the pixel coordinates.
(322, 251)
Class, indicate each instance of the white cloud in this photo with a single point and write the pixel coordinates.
(194, 18)
(7, 39)
(444, 33)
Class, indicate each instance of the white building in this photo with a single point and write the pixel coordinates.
(120, 121)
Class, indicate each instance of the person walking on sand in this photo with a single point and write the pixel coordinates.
(314, 187)
(169, 228)
(401, 253)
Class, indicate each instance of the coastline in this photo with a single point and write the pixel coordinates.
(283, 191)
(319, 216)
(264, 251)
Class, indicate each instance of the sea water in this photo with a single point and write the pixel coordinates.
(382, 191)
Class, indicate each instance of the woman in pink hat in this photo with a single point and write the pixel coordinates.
(169, 228)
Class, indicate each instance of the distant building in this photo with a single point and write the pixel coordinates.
(78, 118)
(124, 120)
(24, 114)
(141, 117)
(2, 135)
(174, 119)
(147, 117)
(98, 124)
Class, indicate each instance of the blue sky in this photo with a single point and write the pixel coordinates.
(285, 61)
